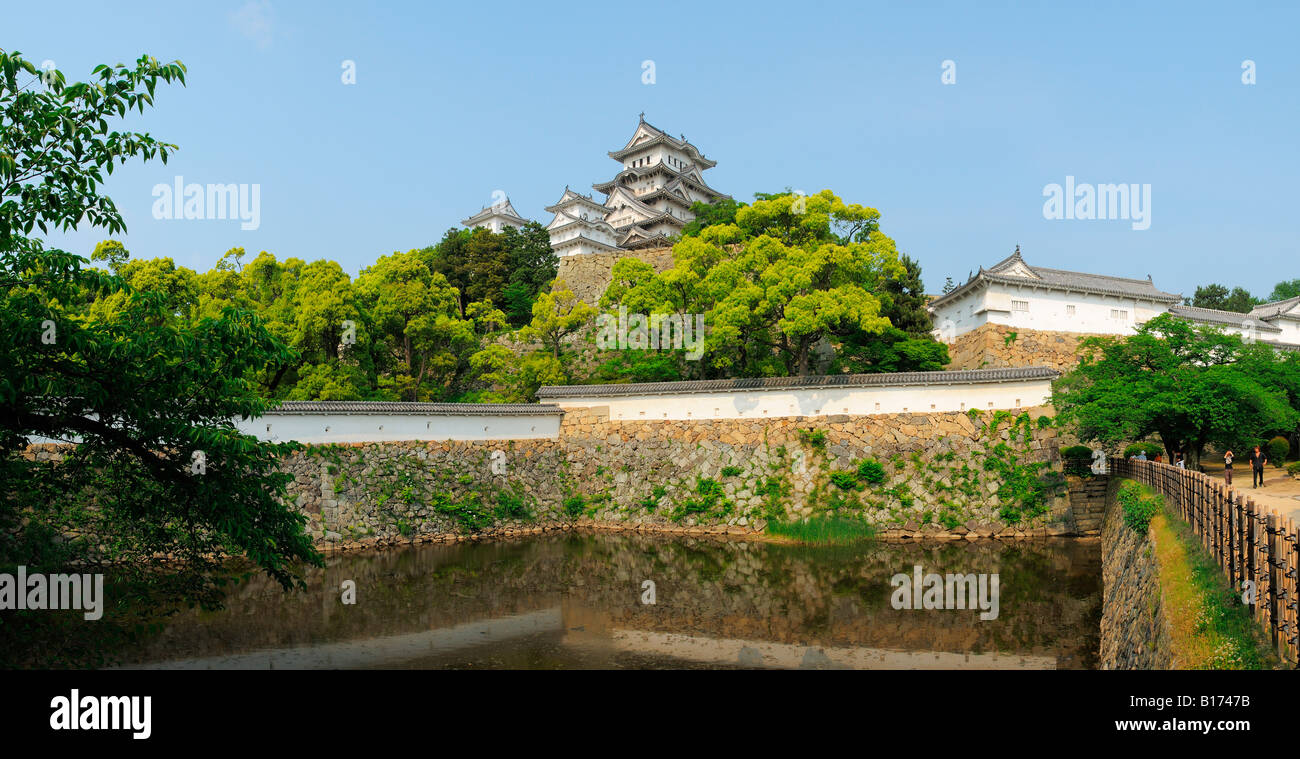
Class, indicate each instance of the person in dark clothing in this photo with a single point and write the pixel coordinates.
(1227, 467)
(1257, 461)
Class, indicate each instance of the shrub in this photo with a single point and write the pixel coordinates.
(651, 502)
(511, 506)
(1139, 506)
(1077, 452)
(711, 502)
(1277, 449)
(814, 438)
(470, 513)
(1293, 469)
(871, 471)
(1077, 460)
(574, 505)
(1152, 450)
(844, 480)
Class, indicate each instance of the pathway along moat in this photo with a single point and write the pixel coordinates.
(569, 600)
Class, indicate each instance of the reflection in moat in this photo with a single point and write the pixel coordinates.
(576, 601)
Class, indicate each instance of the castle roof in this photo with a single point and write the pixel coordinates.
(504, 210)
(970, 376)
(1014, 270)
(397, 407)
(1216, 316)
(1287, 309)
(687, 175)
(647, 135)
(570, 198)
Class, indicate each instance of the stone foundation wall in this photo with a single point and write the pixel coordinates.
(1134, 632)
(946, 476)
(589, 275)
(996, 346)
(939, 475)
(1088, 498)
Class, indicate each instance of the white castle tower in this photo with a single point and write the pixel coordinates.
(579, 226)
(650, 199)
(496, 217)
(647, 202)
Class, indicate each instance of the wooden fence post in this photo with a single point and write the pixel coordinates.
(1250, 536)
(1272, 578)
(1232, 536)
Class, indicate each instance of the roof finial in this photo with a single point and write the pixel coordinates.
(643, 117)
(1017, 249)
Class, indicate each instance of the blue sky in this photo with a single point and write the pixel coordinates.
(452, 103)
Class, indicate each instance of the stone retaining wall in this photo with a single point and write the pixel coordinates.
(943, 476)
(1134, 631)
(996, 346)
(588, 275)
(1088, 497)
(934, 477)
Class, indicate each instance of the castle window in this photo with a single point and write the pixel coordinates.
(1019, 305)
(1118, 313)
(1069, 310)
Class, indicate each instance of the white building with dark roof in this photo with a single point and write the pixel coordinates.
(648, 201)
(1020, 296)
(1282, 314)
(579, 226)
(496, 218)
(1015, 294)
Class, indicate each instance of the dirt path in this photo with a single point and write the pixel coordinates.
(1280, 490)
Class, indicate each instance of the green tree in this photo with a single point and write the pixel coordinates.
(1191, 386)
(791, 276)
(112, 252)
(1285, 290)
(421, 337)
(532, 266)
(147, 398)
(1221, 298)
(557, 315)
(711, 214)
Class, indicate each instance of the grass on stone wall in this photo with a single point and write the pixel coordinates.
(823, 530)
(1211, 628)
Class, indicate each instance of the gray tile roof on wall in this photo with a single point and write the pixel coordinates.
(1274, 309)
(1216, 316)
(1061, 279)
(971, 376)
(436, 409)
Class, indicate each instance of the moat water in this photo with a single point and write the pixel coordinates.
(575, 601)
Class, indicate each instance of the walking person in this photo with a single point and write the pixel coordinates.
(1257, 461)
(1227, 467)
(1179, 462)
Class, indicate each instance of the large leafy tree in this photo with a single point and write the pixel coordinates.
(509, 269)
(146, 397)
(1285, 290)
(783, 283)
(420, 333)
(1221, 298)
(1191, 386)
(532, 266)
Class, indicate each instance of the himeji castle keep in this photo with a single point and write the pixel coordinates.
(646, 203)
